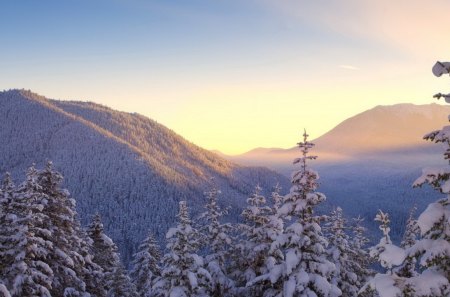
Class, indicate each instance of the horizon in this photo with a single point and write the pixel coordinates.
(254, 148)
(229, 75)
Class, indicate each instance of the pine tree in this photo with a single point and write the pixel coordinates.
(217, 243)
(121, 285)
(254, 252)
(66, 262)
(305, 270)
(433, 248)
(146, 266)
(6, 195)
(261, 229)
(408, 267)
(341, 253)
(25, 240)
(389, 256)
(183, 274)
(93, 274)
(360, 254)
(104, 251)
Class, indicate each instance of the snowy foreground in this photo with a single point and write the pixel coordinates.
(281, 247)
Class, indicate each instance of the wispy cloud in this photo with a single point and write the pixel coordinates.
(349, 67)
(412, 27)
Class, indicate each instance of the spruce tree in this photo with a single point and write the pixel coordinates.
(433, 248)
(262, 228)
(146, 266)
(305, 270)
(360, 255)
(340, 252)
(121, 285)
(389, 256)
(104, 251)
(66, 262)
(183, 273)
(408, 267)
(217, 244)
(26, 241)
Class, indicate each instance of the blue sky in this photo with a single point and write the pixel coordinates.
(228, 75)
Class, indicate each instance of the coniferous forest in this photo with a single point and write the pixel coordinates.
(281, 246)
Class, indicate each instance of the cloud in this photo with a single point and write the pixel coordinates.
(415, 27)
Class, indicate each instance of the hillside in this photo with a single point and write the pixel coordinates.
(377, 133)
(129, 168)
(369, 161)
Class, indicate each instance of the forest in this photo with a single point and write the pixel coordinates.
(280, 247)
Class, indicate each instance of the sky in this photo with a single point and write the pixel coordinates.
(230, 75)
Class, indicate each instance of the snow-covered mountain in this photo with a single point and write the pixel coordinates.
(129, 168)
(369, 161)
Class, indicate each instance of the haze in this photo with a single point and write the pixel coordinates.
(228, 75)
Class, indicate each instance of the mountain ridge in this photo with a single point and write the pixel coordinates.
(381, 129)
(130, 169)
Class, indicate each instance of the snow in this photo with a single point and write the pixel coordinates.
(192, 279)
(432, 214)
(392, 256)
(385, 286)
(3, 291)
(171, 232)
(429, 283)
(177, 292)
(292, 260)
(289, 287)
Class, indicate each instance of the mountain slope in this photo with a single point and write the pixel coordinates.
(380, 132)
(384, 128)
(369, 161)
(130, 169)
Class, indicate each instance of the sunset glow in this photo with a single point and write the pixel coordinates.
(228, 75)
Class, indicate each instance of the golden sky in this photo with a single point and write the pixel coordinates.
(230, 75)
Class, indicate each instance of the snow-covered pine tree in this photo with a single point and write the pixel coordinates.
(255, 217)
(146, 266)
(262, 228)
(388, 255)
(121, 285)
(305, 271)
(217, 243)
(183, 273)
(25, 241)
(408, 267)
(360, 254)
(6, 194)
(433, 248)
(340, 252)
(104, 251)
(66, 262)
(93, 274)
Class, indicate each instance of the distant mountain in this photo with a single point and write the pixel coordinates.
(129, 168)
(376, 133)
(369, 161)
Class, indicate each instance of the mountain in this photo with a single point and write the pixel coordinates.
(130, 169)
(380, 132)
(369, 161)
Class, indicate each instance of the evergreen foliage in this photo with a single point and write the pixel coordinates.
(183, 273)
(217, 243)
(305, 269)
(146, 266)
(342, 253)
